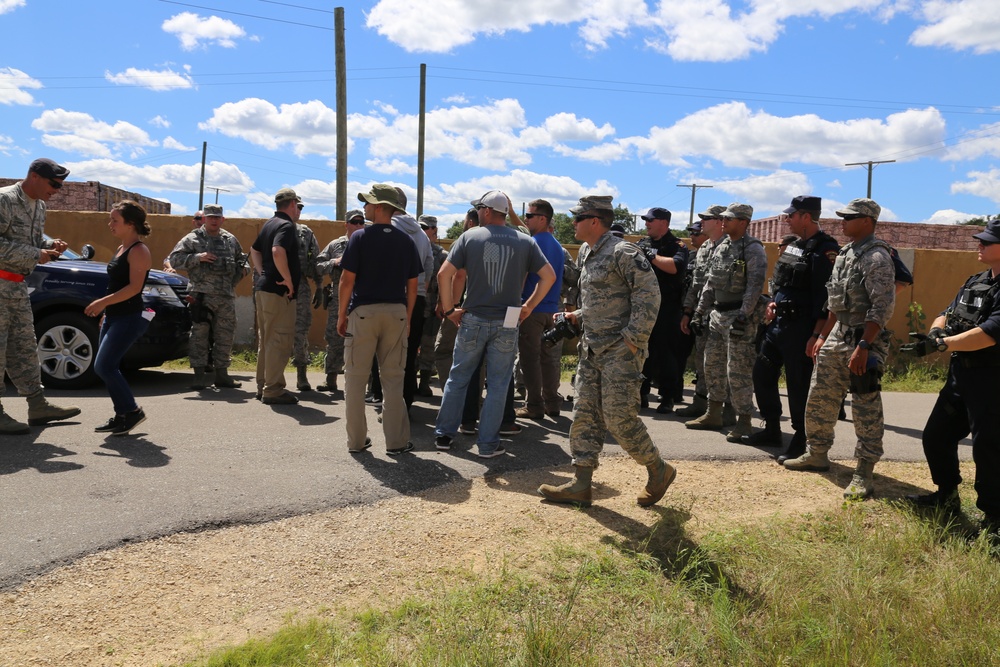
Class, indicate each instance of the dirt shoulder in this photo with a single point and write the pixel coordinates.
(167, 600)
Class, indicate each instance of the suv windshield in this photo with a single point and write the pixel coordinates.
(67, 253)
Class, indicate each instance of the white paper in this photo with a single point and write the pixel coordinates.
(148, 314)
(512, 317)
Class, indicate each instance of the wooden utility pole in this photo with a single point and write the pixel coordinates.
(340, 53)
(871, 165)
(420, 139)
(694, 188)
(201, 187)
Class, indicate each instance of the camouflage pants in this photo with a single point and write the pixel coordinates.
(444, 349)
(607, 400)
(218, 333)
(334, 342)
(303, 320)
(701, 383)
(831, 380)
(730, 359)
(425, 360)
(18, 347)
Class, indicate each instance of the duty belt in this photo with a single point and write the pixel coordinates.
(726, 307)
(12, 277)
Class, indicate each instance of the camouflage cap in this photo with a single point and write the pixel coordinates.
(47, 168)
(593, 203)
(713, 211)
(738, 211)
(865, 207)
(382, 193)
(428, 221)
(286, 194)
(354, 213)
(211, 210)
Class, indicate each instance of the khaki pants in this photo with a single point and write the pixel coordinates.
(539, 364)
(376, 330)
(276, 333)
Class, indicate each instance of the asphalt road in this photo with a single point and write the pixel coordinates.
(213, 458)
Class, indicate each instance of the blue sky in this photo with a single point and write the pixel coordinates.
(762, 100)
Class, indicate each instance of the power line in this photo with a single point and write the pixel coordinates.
(253, 16)
(311, 9)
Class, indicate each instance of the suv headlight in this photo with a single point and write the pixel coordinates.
(161, 293)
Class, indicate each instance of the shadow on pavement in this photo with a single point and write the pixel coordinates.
(409, 474)
(23, 452)
(138, 452)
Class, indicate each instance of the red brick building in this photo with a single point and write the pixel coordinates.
(95, 196)
(897, 234)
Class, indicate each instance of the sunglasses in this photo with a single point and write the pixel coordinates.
(301, 206)
(197, 217)
(986, 243)
(355, 222)
(581, 218)
(55, 184)
(480, 207)
(854, 216)
(529, 216)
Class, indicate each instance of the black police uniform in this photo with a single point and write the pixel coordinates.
(665, 363)
(800, 295)
(970, 399)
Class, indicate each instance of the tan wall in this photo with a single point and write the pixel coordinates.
(938, 274)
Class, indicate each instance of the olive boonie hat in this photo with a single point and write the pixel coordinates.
(383, 194)
(286, 194)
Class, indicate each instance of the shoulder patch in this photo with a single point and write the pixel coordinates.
(832, 255)
(641, 262)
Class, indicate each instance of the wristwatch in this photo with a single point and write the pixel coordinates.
(863, 344)
(940, 345)
(448, 314)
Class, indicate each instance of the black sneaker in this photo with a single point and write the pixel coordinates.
(443, 442)
(129, 421)
(510, 429)
(400, 450)
(468, 429)
(948, 501)
(110, 426)
(499, 451)
(373, 400)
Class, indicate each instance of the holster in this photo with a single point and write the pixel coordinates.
(196, 308)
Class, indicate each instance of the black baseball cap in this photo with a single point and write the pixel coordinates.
(47, 168)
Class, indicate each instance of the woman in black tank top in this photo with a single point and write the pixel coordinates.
(125, 319)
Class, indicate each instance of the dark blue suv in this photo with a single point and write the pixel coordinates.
(67, 339)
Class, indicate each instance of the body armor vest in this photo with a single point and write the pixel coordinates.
(727, 272)
(846, 289)
(794, 265)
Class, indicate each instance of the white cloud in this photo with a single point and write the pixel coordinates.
(6, 145)
(985, 141)
(739, 137)
(159, 121)
(962, 25)
(193, 31)
(161, 80)
(173, 144)
(79, 132)
(982, 184)
(10, 5)
(767, 193)
(310, 128)
(14, 85)
(456, 99)
(950, 216)
(390, 167)
(521, 185)
(167, 177)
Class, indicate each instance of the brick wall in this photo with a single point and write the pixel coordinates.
(897, 234)
(95, 196)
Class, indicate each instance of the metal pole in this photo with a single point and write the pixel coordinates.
(340, 55)
(420, 139)
(201, 187)
(871, 165)
(694, 188)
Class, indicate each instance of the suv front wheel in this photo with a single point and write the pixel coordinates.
(67, 349)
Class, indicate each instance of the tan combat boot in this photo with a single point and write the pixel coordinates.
(661, 476)
(10, 426)
(697, 408)
(862, 485)
(710, 421)
(810, 461)
(302, 380)
(41, 411)
(224, 381)
(330, 384)
(576, 492)
(743, 427)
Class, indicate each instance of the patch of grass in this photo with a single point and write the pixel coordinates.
(914, 376)
(868, 584)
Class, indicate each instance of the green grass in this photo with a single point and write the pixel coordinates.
(868, 584)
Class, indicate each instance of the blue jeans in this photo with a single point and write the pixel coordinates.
(117, 335)
(478, 337)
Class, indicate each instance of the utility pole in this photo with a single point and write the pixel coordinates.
(201, 187)
(871, 165)
(217, 191)
(340, 55)
(420, 139)
(694, 188)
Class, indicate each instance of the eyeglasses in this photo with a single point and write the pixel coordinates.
(529, 216)
(55, 184)
(581, 218)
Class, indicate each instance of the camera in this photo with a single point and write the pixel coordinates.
(561, 329)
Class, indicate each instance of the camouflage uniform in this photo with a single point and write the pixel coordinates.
(734, 283)
(570, 290)
(619, 299)
(325, 265)
(20, 240)
(214, 283)
(425, 362)
(308, 254)
(699, 276)
(861, 289)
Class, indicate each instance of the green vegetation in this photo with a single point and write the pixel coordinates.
(868, 584)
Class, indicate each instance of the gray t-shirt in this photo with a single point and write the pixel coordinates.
(497, 259)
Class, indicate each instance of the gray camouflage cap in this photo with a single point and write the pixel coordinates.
(428, 221)
(738, 211)
(713, 211)
(593, 203)
(212, 210)
(866, 207)
(354, 213)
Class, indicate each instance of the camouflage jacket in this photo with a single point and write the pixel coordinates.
(699, 274)
(862, 287)
(325, 265)
(219, 277)
(619, 295)
(20, 238)
(440, 254)
(570, 290)
(736, 274)
(308, 251)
